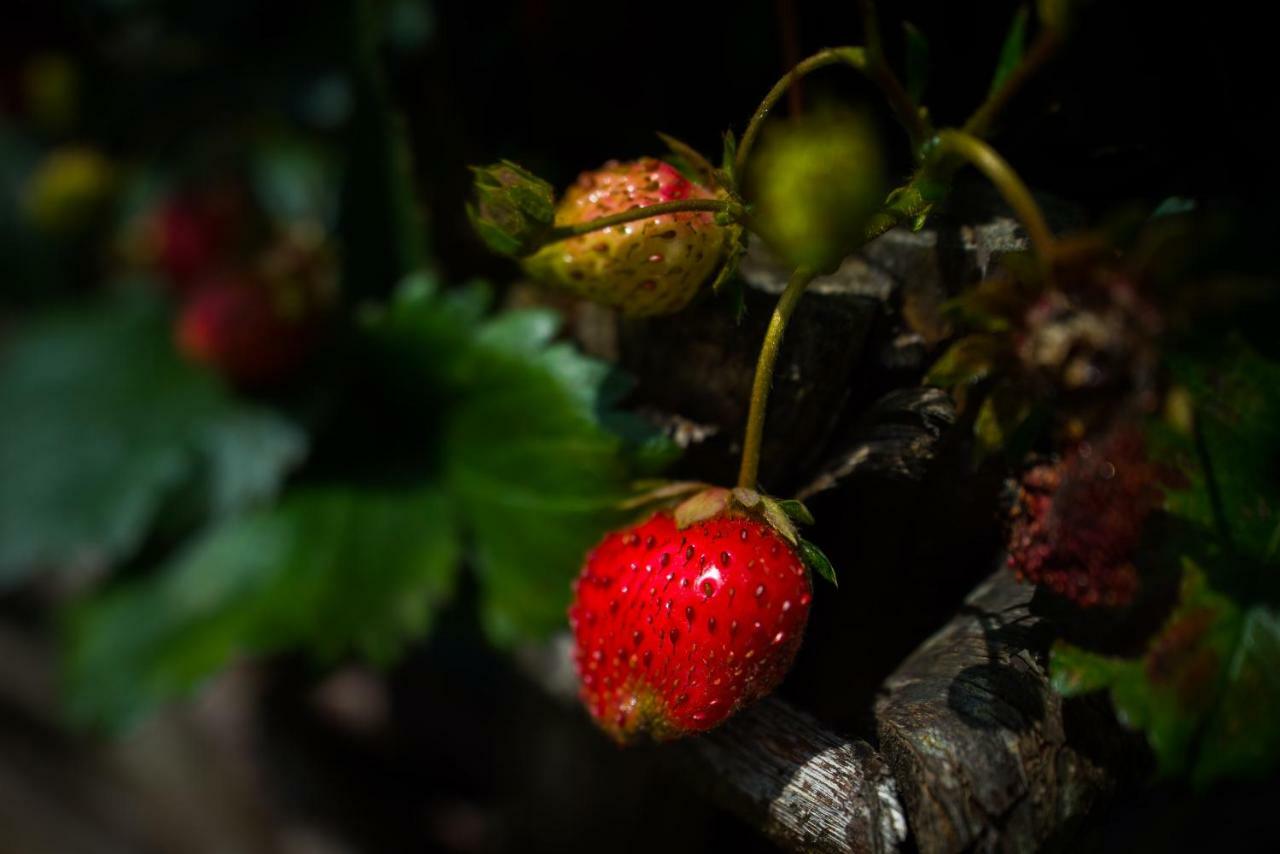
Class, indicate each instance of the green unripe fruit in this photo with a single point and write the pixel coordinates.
(815, 183)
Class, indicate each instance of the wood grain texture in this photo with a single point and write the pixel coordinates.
(984, 752)
(804, 787)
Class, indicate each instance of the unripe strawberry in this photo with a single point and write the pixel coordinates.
(815, 182)
(645, 267)
(675, 630)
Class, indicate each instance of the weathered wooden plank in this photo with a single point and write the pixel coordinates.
(804, 787)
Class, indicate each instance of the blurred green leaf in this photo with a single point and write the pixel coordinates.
(1015, 45)
(294, 180)
(917, 60)
(103, 422)
(1001, 417)
(381, 220)
(1206, 692)
(968, 361)
(1238, 415)
(333, 568)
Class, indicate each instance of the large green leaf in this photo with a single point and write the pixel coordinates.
(331, 568)
(533, 461)
(534, 453)
(1238, 420)
(1207, 691)
(103, 422)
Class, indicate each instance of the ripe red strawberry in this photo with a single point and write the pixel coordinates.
(235, 325)
(646, 267)
(675, 630)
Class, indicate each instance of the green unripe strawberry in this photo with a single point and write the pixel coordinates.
(645, 267)
(815, 182)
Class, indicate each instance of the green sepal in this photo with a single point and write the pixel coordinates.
(777, 517)
(736, 249)
(514, 210)
(653, 493)
(817, 561)
(729, 159)
(702, 506)
(796, 511)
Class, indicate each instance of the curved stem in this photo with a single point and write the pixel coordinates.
(1006, 181)
(750, 469)
(856, 58)
(562, 232)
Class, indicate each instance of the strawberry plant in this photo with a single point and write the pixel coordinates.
(252, 404)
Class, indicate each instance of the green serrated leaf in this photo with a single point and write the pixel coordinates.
(817, 561)
(1236, 400)
(917, 49)
(1011, 52)
(1206, 692)
(103, 423)
(532, 500)
(332, 568)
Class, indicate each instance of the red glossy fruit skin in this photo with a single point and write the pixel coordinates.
(231, 324)
(675, 630)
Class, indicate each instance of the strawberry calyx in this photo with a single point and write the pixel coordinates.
(692, 502)
(724, 182)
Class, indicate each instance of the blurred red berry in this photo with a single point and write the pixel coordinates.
(235, 325)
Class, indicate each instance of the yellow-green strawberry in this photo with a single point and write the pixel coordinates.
(645, 267)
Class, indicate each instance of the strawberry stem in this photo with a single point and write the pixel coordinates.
(750, 469)
(871, 65)
(563, 232)
(1006, 181)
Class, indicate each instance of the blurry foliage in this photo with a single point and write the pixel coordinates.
(1125, 331)
(433, 434)
(104, 423)
(332, 510)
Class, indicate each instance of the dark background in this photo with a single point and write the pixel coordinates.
(1147, 101)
